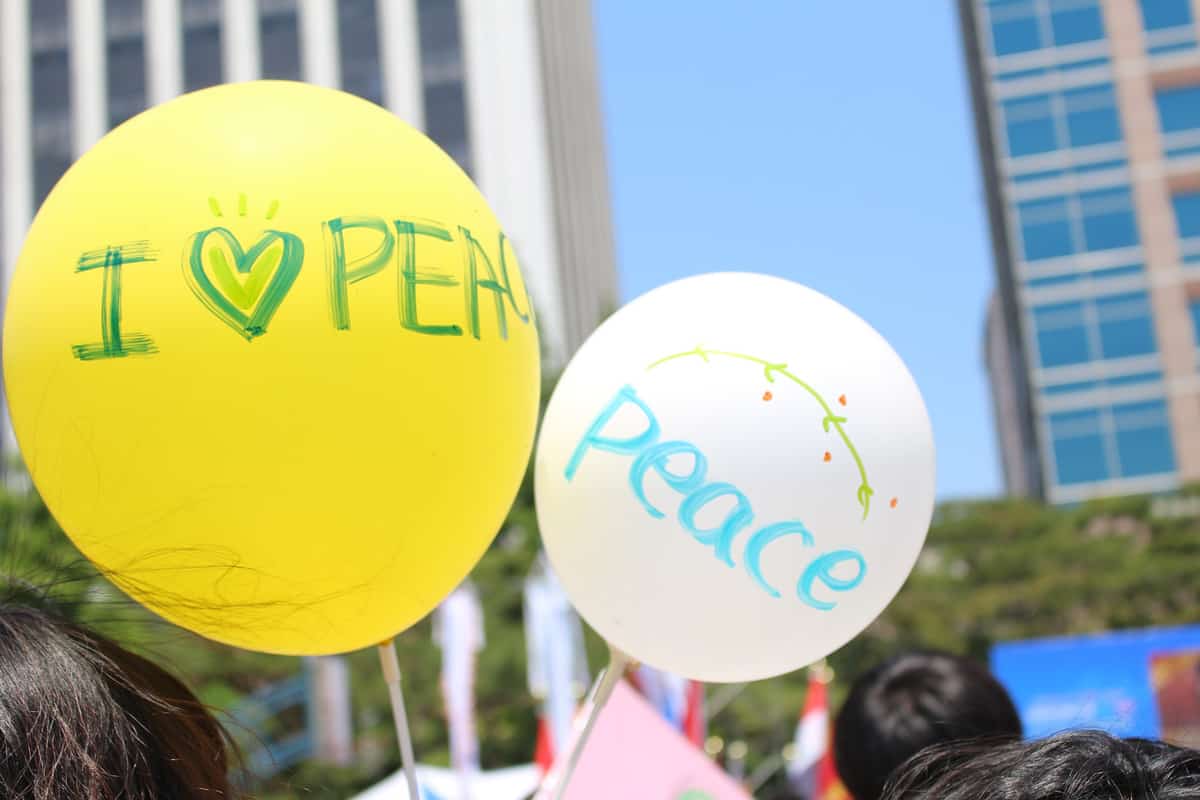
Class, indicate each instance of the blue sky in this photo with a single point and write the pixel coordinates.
(829, 143)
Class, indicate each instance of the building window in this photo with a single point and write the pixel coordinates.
(1110, 326)
(1092, 116)
(445, 119)
(1076, 21)
(358, 46)
(442, 78)
(51, 92)
(126, 60)
(201, 44)
(46, 16)
(1015, 26)
(1062, 334)
(1159, 14)
(1105, 221)
(279, 37)
(1075, 118)
(1078, 441)
(1108, 220)
(1126, 325)
(1045, 228)
(1194, 306)
(1020, 26)
(1029, 123)
(1126, 441)
(51, 84)
(1178, 109)
(1179, 116)
(1143, 438)
(1187, 214)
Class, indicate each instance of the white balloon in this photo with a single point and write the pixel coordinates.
(734, 477)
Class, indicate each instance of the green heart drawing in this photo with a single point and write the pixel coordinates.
(244, 304)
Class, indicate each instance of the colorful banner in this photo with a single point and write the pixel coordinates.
(1131, 683)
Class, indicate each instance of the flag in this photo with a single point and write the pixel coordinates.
(458, 631)
(811, 770)
(695, 719)
(543, 751)
(556, 659)
(635, 753)
(680, 701)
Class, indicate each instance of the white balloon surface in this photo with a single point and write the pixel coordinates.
(734, 477)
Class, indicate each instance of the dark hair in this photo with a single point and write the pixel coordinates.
(1077, 765)
(83, 719)
(908, 703)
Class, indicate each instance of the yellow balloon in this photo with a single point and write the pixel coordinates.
(273, 367)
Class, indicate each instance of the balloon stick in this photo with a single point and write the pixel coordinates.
(560, 774)
(391, 674)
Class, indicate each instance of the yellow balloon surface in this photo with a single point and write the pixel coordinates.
(273, 367)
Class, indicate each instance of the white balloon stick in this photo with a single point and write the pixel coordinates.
(559, 778)
(391, 674)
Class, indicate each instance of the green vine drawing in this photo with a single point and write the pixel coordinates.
(770, 370)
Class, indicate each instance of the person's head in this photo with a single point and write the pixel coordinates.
(83, 719)
(1077, 765)
(908, 703)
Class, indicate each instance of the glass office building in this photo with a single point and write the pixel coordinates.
(1088, 121)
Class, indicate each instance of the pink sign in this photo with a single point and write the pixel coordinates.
(634, 752)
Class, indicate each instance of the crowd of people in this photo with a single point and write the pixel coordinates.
(81, 718)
